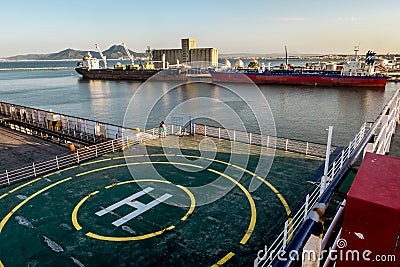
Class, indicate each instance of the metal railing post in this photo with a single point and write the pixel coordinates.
(34, 169)
(306, 207)
(205, 130)
(234, 135)
(285, 234)
(328, 152)
(333, 170)
(287, 140)
(267, 141)
(342, 159)
(194, 128)
(95, 147)
(77, 155)
(219, 133)
(250, 138)
(112, 144)
(58, 166)
(307, 149)
(8, 178)
(349, 150)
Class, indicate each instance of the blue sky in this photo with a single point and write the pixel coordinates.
(308, 26)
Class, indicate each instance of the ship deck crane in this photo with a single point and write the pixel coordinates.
(128, 53)
(102, 56)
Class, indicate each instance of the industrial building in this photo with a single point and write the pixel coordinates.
(188, 53)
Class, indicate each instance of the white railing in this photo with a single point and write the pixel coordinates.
(61, 161)
(59, 122)
(299, 146)
(387, 123)
(294, 221)
(387, 126)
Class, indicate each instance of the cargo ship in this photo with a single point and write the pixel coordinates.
(353, 72)
(90, 68)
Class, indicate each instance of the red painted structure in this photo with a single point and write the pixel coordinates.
(371, 222)
(293, 78)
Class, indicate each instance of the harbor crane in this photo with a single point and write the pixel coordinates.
(128, 53)
(102, 56)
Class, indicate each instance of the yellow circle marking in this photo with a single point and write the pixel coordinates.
(131, 238)
(224, 259)
(75, 211)
(273, 188)
(7, 217)
(252, 224)
(136, 163)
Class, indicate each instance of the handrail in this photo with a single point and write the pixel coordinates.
(286, 144)
(68, 159)
(347, 159)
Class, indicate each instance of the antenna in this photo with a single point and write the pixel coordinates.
(286, 57)
(356, 49)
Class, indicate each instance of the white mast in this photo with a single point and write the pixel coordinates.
(128, 53)
(102, 56)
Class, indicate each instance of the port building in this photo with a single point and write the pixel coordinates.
(187, 53)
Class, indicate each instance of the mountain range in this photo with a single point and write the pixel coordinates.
(114, 52)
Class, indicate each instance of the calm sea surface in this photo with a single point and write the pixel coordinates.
(299, 112)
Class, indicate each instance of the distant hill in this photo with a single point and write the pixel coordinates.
(114, 52)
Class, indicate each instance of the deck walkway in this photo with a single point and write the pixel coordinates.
(18, 149)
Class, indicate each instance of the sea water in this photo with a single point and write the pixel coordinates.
(299, 112)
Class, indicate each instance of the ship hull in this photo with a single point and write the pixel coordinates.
(308, 79)
(115, 74)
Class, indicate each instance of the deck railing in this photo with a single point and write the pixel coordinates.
(286, 144)
(379, 134)
(82, 154)
(58, 123)
(297, 218)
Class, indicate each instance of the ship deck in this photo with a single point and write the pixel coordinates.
(85, 215)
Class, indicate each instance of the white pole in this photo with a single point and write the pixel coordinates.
(34, 170)
(328, 152)
(58, 166)
(285, 234)
(8, 178)
(163, 61)
(306, 206)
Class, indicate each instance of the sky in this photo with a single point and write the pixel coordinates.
(256, 26)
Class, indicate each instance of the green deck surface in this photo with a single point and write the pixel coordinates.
(51, 221)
